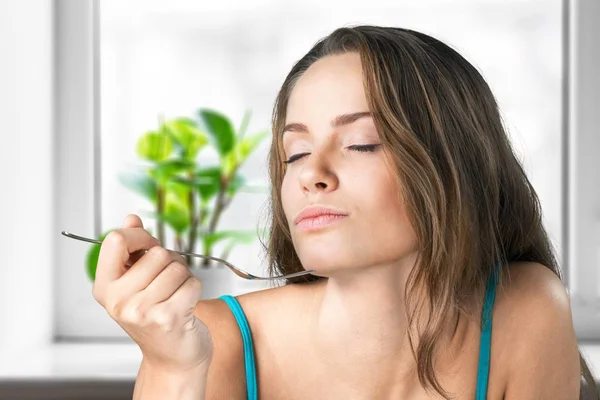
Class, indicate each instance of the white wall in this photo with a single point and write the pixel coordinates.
(26, 175)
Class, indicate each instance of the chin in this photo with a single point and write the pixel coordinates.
(324, 265)
(328, 253)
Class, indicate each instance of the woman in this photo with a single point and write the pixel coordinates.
(393, 178)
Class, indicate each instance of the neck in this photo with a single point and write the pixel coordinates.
(360, 328)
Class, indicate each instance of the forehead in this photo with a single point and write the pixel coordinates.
(331, 86)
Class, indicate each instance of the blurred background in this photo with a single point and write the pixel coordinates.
(162, 108)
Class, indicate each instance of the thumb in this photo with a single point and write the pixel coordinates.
(133, 221)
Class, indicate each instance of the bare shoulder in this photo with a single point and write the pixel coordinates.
(266, 312)
(535, 335)
(226, 376)
(270, 311)
(277, 299)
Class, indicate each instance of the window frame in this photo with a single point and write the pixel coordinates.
(78, 136)
(581, 164)
(77, 108)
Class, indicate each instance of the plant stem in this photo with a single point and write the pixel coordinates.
(212, 225)
(160, 205)
(193, 224)
(201, 220)
(220, 205)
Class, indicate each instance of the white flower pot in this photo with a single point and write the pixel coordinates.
(216, 281)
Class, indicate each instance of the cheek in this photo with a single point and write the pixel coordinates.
(287, 195)
(389, 207)
(378, 187)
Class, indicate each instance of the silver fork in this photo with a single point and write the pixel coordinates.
(236, 270)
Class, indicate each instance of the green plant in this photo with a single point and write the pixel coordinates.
(189, 197)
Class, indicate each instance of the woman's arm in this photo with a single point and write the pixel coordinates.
(154, 382)
(223, 379)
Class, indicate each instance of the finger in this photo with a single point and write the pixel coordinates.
(166, 283)
(179, 307)
(116, 250)
(186, 296)
(135, 257)
(148, 268)
(133, 221)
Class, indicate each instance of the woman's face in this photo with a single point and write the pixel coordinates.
(336, 161)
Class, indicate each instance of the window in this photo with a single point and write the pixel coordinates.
(121, 64)
(582, 169)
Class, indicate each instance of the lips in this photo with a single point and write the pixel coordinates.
(314, 213)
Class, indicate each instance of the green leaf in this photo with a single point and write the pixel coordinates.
(242, 149)
(188, 137)
(175, 166)
(141, 184)
(154, 146)
(235, 236)
(220, 129)
(229, 163)
(92, 257)
(205, 213)
(235, 184)
(180, 190)
(246, 188)
(176, 217)
(245, 123)
(248, 144)
(166, 170)
(192, 182)
(175, 214)
(177, 206)
(208, 182)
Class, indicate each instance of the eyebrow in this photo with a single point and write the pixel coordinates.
(340, 120)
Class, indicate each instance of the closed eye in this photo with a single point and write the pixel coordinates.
(363, 148)
(295, 157)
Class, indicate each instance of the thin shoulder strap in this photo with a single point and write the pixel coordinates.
(249, 360)
(485, 345)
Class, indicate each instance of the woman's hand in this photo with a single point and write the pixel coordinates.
(152, 296)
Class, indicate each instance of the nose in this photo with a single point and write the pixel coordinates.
(317, 176)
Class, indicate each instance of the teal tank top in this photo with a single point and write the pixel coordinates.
(249, 360)
(485, 345)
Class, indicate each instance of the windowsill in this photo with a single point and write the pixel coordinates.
(117, 362)
(591, 352)
(66, 361)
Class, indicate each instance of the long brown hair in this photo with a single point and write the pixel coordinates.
(456, 169)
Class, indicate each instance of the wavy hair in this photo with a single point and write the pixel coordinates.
(457, 171)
